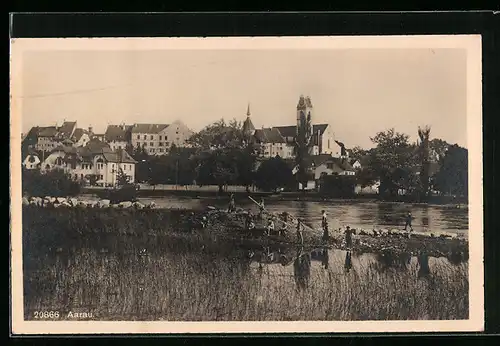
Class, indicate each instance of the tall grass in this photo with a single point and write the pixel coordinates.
(162, 272)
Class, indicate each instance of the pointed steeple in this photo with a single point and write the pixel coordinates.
(248, 128)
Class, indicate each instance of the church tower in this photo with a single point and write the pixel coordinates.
(304, 112)
(248, 128)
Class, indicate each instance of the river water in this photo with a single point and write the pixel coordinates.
(356, 214)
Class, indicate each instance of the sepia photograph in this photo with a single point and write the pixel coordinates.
(278, 184)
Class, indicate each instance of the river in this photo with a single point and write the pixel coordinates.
(356, 214)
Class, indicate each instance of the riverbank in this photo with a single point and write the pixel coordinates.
(67, 224)
(309, 196)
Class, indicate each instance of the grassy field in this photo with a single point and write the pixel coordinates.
(147, 267)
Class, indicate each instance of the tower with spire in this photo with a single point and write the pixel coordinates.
(304, 111)
(248, 128)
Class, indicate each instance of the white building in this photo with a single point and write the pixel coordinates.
(280, 140)
(156, 139)
(82, 162)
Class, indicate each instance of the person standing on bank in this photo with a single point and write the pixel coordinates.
(348, 237)
(232, 205)
(409, 219)
(300, 237)
(261, 208)
(324, 225)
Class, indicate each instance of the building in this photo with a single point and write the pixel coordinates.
(118, 136)
(49, 137)
(280, 140)
(156, 139)
(81, 137)
(95, 160)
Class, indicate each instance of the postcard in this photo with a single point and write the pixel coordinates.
(246, 185)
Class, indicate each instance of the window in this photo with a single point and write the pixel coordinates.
(152, 144)
(101, 177)
(113, 166)
(160, 144)
(138, 136)
(166, 137)
(328, 144)
(81, 176)
(145, 144)
(145, 137)
(161, 149)
(159, 138)
(166, 143)
(151, 137)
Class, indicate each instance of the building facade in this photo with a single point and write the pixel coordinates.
(80, 163)
(118, 136)
(156, 139)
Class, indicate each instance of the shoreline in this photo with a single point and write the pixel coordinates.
(79, 223)
(283, 196)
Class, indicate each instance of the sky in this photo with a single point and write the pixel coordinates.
(357, 91)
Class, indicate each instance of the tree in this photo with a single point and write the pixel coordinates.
(55, 183)
(224, 155)
(92, 178)
(452, 177)
(272, 174)
(437, 148)
(357, 153)
(303, 144)
(121, 178)
(392, 153)
(424, 152)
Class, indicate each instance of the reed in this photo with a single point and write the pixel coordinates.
(144, 265)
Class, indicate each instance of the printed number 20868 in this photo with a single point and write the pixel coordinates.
(46, 314)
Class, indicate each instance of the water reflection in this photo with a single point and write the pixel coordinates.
(356, 214)
(302, 268)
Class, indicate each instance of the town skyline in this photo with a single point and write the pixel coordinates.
(358, 92)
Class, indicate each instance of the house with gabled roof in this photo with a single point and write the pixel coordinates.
(81, 137)
(93, 159)
(280, 140)
(118, 136)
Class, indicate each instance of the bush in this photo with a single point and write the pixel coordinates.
(127, 192)
(54, 183)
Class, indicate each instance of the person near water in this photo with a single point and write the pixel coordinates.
(284, 224)
(348, 237)
(409, 218)
(300, 236)
(270, 226)
(326, 235)
(324, 221)
(232, 205)
(261, 208)
(249, 224)
(204, 222)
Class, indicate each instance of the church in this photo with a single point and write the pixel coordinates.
(280, 140)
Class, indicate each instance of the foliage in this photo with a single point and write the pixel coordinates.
(92, 178)
(437, 148)
(337, 186)
(121, 178)
(392, 154)
(217, 167)
(303, 144)
(452, 177)
(55, 183)
(424, 158)
(272, 174)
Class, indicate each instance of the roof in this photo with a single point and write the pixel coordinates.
(117, 132)
(96, 146)
(248, 125)
(67, 128)
(342, 163)
(119, 156)
(269, 135)
(79, 133)
(287, 131)
(319, 128)
(48, 131)
(148, 128)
